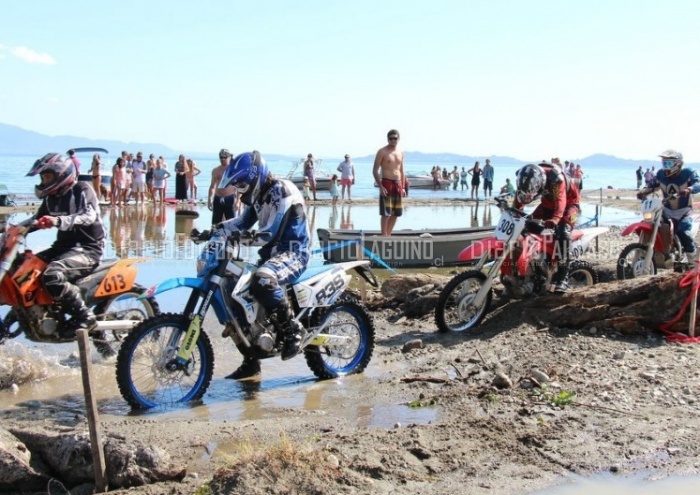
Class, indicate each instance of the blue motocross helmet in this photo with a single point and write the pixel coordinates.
(247, 172)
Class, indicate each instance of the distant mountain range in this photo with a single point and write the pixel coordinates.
(17, 141)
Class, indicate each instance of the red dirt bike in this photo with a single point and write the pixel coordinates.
(523, 255)
(658, 245)
(110, 291)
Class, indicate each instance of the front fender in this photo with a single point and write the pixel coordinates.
(636, 228)
(199, 284)
(476, 249)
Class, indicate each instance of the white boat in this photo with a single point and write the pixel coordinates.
(323, 177)
(425, 181)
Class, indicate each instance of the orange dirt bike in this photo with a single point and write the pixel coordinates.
(110, 291)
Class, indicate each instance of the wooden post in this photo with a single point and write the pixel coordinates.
(98, 458)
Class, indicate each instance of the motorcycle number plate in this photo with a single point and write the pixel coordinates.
(505, 227)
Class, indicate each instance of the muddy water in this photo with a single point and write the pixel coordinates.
(50, 373)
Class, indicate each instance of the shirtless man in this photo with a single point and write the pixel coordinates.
(389, 174)
(222, 202)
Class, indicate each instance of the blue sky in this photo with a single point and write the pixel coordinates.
(528, 79)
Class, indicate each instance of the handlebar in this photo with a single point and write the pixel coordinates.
(246, 236)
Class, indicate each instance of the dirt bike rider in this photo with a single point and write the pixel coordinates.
(559, 208)
(278, 207)
(72, 207)
(676, 184)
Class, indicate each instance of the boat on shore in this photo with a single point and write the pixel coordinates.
(403, 249)
(425, 181)
(323, 177)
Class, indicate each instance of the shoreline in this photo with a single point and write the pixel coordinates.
(618, 198)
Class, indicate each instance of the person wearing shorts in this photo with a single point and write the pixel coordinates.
(389, 173)
(391, 204)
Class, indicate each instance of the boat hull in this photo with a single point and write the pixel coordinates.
(403, 249)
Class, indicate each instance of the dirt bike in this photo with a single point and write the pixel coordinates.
(522, 254)
(658, 246)
(110, 290)
(169, 358)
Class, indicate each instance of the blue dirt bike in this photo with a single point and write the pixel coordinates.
(169, 358)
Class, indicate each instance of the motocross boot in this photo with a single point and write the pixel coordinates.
(292, 330)
(81, 316)
(249, 368)
(561, 278)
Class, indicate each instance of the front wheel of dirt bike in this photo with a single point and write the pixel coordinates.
(631, 262)
(455, 310)
(346, 341)
(582, 274)
(147, 373)
(125, 306)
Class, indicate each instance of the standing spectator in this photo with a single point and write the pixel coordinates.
(306, 186)
(118, 182)
(181, 179)
(463, 178)
(455, 178)
(648, 178)
(190, 174)
(138, 181)
(76, 162)
(150, 167)
(95, 171)
(389, 174)
(488, 179)
(222, 201)
(475, 172)
(347, 177)
(159, 176)
(334, 189)
(578, 177)
(639, 177)
(310, 173)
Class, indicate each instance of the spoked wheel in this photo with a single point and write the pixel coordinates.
(346, 341)
(455, 310)
(582, 274)
(631, 263)
(147, 373)
(126, 306)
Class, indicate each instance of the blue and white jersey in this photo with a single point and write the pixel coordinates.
(281, 218)
(685, 179)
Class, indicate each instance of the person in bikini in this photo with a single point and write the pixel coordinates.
(389, 174)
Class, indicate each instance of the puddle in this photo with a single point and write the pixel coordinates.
(640, 484)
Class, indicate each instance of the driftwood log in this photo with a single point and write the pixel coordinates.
(627, 306)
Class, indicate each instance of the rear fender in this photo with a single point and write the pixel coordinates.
(120, 277)
(324, 288)
(477, 249)
(198, 284)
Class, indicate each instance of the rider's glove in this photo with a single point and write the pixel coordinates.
(641, 195)
(684, 192)
(47, 222)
